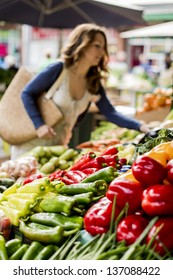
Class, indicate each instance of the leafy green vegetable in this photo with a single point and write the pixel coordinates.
(152, 140)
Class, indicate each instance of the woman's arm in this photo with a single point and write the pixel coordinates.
(108, 110)
(39, 84)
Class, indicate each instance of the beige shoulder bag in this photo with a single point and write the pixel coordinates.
(16, 126)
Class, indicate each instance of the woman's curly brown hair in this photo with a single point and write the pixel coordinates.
(80, 38)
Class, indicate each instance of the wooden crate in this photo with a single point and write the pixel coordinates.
(153, 115)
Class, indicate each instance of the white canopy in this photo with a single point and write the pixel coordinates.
(159, 30)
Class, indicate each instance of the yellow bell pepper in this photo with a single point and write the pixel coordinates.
(162, 152)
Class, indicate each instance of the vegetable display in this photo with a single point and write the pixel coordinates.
(124, 214)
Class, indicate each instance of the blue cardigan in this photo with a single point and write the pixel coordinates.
(44, 80)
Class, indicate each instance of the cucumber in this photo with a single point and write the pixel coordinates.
(7, 182)
(34, 248)
(19, 252)
(12, 246)
(2, 189)
(46, 252)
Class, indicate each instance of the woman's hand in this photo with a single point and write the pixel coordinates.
(144, 128)
(45, 132)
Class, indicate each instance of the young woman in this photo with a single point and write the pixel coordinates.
(85, 57)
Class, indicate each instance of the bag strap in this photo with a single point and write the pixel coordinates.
(56, 84)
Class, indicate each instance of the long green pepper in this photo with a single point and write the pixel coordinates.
(107, 174)
(39, 186)
(99, 187)
(58, 219)
(44, 234)
(60, 204)
(51, 235)
(84, 198)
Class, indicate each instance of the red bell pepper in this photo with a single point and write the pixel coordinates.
(97, 219)
(83, 160)
(130, 228)
(158, 200)
(126, 191)
(164, 236)
(148, 171)
(169, 168)
(31, 178)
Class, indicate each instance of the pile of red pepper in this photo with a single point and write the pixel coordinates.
(147, 188)
(68, 177)
(88, 164)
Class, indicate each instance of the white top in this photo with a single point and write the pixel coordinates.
(70, 108)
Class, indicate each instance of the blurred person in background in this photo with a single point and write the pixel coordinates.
(47, 59)
(117, 69)
(85, 57)
(10, 68)
(168, 60)
(10, 63)
(166, 74)
(144, 63)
